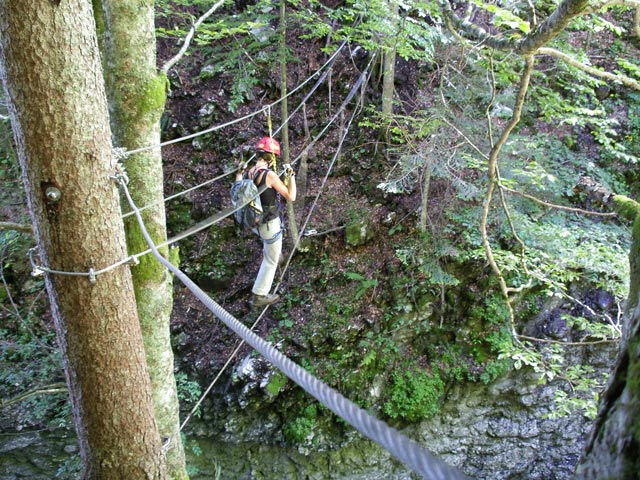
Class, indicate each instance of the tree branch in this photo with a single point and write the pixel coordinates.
(629, 82)
(187, 41)
(558, 207)
(19, 227)
(53, 388)
(544, 33)
(493, 181)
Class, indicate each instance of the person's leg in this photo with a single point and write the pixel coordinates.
(271, 249)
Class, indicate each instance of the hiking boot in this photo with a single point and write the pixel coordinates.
(264, 300)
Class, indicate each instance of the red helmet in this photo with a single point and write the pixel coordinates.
(268, 144)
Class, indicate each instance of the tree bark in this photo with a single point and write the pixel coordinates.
(137, 94)
(611, 451)
(50, 67)
(543, 34)
(389, 62)
(293, 225)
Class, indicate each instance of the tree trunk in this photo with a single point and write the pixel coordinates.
(50, 67)
(293, 225)
(389, 63)
(611, 451)
(136, 96)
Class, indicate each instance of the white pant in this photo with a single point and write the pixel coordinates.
(271, 234)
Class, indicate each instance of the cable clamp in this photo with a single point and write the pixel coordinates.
(167, 445)
(120, 153)
(37, 272)
(92, 275)
(133, 260)
(120, 175)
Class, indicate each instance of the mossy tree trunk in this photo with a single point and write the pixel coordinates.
(50, 67)
(137, 94)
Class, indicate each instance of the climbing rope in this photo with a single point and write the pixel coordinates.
(241, 119)
(403, 448)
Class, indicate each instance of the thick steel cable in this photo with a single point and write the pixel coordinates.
(399, 445)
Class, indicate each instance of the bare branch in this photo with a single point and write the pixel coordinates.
(629, 82)
(19, 227)
(544, 33)
(493, 182)
(187, 41)
(53, 388)
(558, 207)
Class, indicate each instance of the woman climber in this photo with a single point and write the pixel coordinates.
(271, 228)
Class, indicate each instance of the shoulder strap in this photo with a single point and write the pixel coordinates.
(259, 177)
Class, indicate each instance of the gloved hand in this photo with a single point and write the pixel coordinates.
(288, 171)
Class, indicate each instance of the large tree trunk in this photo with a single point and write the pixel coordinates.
(52, 75)
(612, 449)
(136, 100)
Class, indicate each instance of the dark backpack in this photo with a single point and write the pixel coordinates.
(249, 213)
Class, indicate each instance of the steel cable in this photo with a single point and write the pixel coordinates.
(399, 445)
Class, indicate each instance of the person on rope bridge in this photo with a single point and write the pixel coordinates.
(270, 230)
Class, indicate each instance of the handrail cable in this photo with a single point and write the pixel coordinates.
(255, 323)
(264, 109)
(220, 215)
(38, 270)
(399, 445)
(219, 177)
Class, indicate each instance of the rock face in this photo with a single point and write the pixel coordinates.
(502, 431)
(499, 431)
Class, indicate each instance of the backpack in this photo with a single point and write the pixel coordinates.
(244, 194)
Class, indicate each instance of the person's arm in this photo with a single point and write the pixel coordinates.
(287, 192)
(240, 172)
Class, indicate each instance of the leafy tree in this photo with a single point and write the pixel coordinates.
(58, 109)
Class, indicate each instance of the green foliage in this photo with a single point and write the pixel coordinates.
(364, 283)
(71, 467)
(299, 430)
(549, 363)
(189, 391)
(427, 256)
(504, 19)
(453, 365)
(414, 394)
(367, 23)
(242, 47)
